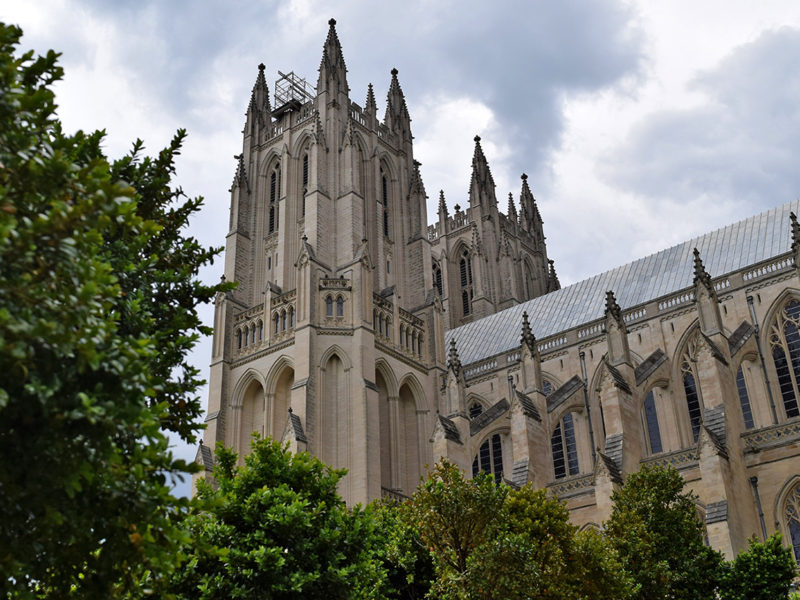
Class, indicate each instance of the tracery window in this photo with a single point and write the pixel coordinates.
(744, 399)
(792, 520)
(784, 340)
(328, 306)
(651, 424)
(274, 191)
(691, 387)
(565, 448)
(490, 458)
(339, 306)
(465, 273)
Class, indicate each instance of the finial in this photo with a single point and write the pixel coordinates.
(395, 72)
(477, 139)
(612, 308)
(457, 207)
(524, 177)
(261, 67)
(700, 273)
(290, 410)
(527, 335)
(304, 238)
(222, 279)
(332, 22)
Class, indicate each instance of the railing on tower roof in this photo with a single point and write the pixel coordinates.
(291, 92)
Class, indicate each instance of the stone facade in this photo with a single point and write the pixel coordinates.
(375, 341)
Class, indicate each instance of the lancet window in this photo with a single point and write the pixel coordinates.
(465, 274)
(565, 448)
(744, 399)
(437, 277)
(650, 416)
(305, 185)
(385, 202)
(784, 340)
(490, 458)
(274, 191)
(691, 387)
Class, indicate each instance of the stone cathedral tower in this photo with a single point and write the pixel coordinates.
(334, 338)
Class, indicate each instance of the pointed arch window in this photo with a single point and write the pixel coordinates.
(791, 515)
(274, 191)
(465, 275)
(291, 317)
(339, 306)
(651, 424)
(565, 448)
(329, 306)
(475, 410)
(785, 344)
(490, 458)
(437, 278)
(547, 387)
(744, 399)
(691, 387)
(385, 202)
(305, 185)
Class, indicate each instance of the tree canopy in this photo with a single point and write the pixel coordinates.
(98, 297)
(275, 527)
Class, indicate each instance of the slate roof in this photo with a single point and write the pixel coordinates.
(723, 251)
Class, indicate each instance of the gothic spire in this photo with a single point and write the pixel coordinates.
(397, 118)
(528, 338)
(700, 273)
(529, 212)
(552, 279)
(417, 187)
(332, 69)
(259, 111)
(481, 186)
(442, 205)
(512, 210)
(240, 178)
(370, 107)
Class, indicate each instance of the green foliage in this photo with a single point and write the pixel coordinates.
(762, 572)
(400, 552)
(488, 541)
(98, 301)
(655, 529)
(276, 528)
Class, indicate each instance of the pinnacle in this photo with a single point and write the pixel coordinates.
(700, 273)
(795, 230)
(370, 104)
(527, 335)
(612, 307)
(442, 204)
(453, 362)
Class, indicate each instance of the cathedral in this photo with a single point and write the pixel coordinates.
(381, 344)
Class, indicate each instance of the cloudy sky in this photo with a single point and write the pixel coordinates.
(640, 124)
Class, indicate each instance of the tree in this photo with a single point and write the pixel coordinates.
(400, 551)
(762, 572)
(98, 297)
(489, 541)
(656, 531)
(276, 528)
